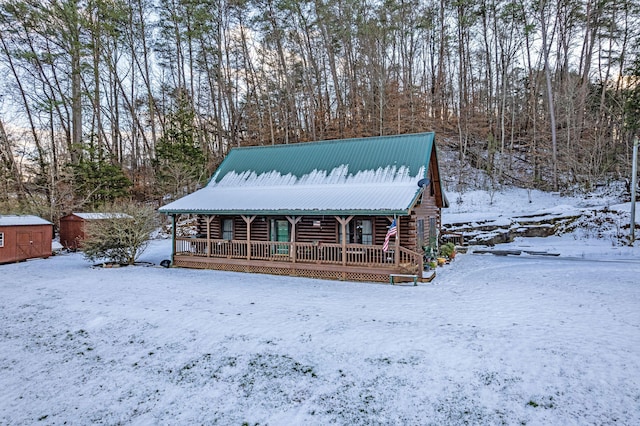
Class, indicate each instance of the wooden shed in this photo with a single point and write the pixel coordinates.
(73, 226)
(24, 237)
(350, 209)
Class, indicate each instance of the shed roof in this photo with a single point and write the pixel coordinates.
(376, 175)
(22, 220)
(98, 216)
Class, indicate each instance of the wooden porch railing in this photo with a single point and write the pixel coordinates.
(322, 253)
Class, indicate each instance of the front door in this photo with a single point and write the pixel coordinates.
(280, 233)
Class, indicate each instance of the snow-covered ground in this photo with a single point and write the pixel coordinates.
(492, 340)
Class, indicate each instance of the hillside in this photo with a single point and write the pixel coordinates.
(487, 211)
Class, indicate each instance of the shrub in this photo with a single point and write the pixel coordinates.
(121, 237)
(447, 249)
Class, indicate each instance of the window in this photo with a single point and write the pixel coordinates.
(433, 233)
(420, 233)
(227, 229)
(1, 239)
(363, 232)
(360, 231)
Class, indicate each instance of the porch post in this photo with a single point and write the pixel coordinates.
(173, 237)
(293, 220)
(248, 220)
(343, 223)
(209, 220)
(397, 245)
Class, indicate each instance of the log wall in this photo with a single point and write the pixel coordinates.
(325, 229)
(308, 231)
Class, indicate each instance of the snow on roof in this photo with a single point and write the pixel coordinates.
(315, 199)
(338, 176)
(385, 191)
(98, 216)
(13, 220)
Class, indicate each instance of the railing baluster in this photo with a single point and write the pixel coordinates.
(319, 253)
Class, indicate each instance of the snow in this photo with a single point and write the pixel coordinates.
(16, 220)
(302, 198)
(482, 205)
(492, 340)
(388, 189)
(338, 176)
(100, 216)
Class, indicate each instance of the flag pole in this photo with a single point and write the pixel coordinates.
(634, 184)
(397, 245)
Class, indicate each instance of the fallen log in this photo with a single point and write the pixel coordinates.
(499, 252)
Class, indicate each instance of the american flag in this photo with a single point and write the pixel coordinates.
(393, 230)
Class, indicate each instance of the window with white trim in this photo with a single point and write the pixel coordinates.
(1, 239)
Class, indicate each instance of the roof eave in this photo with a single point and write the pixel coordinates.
(286, 212)
(415, 199)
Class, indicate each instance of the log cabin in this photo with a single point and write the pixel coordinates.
(318, 209)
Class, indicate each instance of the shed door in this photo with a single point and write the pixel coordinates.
(37, 241)
(24, 244)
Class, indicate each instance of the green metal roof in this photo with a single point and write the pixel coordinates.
(361, 154)
(374, 176)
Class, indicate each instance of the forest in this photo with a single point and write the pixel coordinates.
(107, 100)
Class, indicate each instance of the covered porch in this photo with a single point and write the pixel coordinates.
(324, 254)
